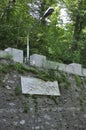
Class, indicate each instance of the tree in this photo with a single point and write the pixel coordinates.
(77, 12)
(14, 23)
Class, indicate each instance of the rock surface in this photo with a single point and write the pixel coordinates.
(26, 112)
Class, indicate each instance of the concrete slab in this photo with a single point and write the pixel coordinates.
(76, 68)
(37, 60)
(31, 85)
(17, 55)
(84, 72)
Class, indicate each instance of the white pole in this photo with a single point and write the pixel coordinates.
(27, 46)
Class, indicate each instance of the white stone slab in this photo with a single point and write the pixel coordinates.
(37, 86)
(17, 54)
(37, 60)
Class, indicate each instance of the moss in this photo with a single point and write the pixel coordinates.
(8, 57)
(48, 75)
(55, 99)
(25, 107)
(35, 103)
(1, 82)
(78, 81)
(17, 91)
(45, 76)
(81, 104)
(62, 79)
(4, 68)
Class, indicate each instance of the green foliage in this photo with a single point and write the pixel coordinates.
(25, 107)
(52, 39)
(4, 68)
(81, 104)
(55, 99)
(62, 79)
(1, 81)
(17, 91)
(19, 67)
(83, 55)
(8, 57)
(14, 23)
(78, 81)
(35, 103)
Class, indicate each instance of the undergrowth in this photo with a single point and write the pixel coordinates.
(46, 75)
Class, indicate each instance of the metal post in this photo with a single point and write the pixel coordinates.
(28, 46)
(47, 13)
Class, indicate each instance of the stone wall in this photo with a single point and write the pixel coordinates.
(17, 55)
(40, 61)
(25, 112)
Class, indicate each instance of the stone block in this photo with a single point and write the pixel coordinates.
(84, 72)
(17, 54)
(62, 67)
(51, 65)
(37, 60)
(3, 54)
(31, 85)
(69, 69)
(77, 69)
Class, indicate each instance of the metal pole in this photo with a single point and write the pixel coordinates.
(48, 12)
(28, 46)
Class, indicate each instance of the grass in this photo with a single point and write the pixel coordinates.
(81, 104)
(48, 75)
(25, 107)
(55, 99)
(78, 81)
(8, 57)
(17, 91)
(4, 68)
(35, 103)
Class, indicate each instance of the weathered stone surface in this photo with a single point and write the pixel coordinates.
(84, 72)
(32, 85)
(22, 122)
(17, 54)
(76, 68)
(51, 65)
(8, 87)
(67, 112)
(69, 69)
(37, 60)
(3, 54)
(62, 67)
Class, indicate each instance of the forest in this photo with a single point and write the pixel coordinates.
(59, 40)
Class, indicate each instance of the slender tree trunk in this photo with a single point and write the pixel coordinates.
(77, 28)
